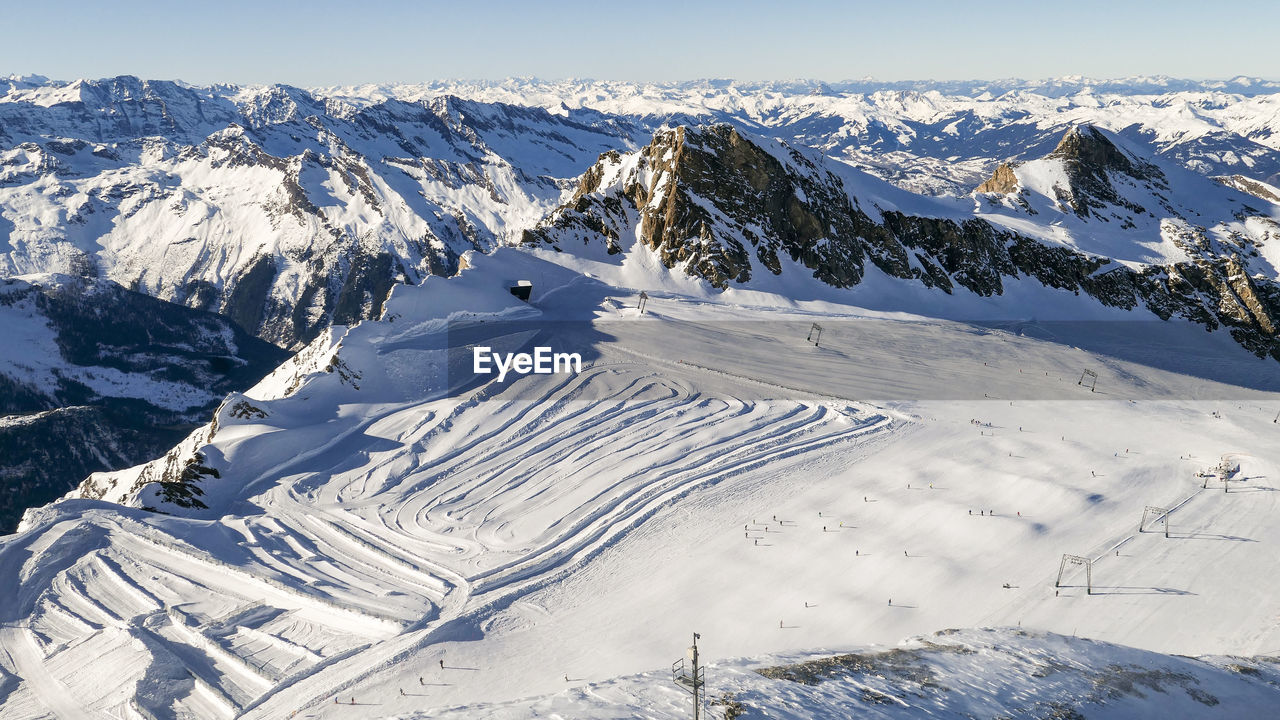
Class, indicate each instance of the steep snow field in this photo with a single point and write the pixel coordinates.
(384, 525)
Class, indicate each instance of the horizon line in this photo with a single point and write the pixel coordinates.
(1074, 78)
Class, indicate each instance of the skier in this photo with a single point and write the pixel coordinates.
(904, 554)
(970, 512)
(891, 602)
(441, 663)
(402, 692)
(857, 552)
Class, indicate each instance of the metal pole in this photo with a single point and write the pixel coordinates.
(697, 704)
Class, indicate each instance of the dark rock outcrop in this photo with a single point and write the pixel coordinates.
(1091, 160)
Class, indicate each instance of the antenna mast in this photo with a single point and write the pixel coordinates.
(692, 679)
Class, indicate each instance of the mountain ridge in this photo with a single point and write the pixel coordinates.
(720, 207)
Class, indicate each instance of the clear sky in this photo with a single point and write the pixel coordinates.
(324, 42)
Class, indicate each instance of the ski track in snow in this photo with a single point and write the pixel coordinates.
(532, 458)
(528, 525)
(481, 505)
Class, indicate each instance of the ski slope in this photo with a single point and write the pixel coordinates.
(385, 525)
(949, 674)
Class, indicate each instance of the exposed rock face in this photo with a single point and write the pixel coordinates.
(1253, 187)
(1002, 181)
(1090, 159)
(725, 207)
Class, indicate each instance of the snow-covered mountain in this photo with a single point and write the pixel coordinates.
(94, 377)
(929, 137)
(287, 209)
(378, 523)
(274, 207)
(1090, 218)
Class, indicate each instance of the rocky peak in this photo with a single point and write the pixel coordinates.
(1003, 180)
(763, 202)
(1093, 164)
(1087, 148)
(1260, 190)
(720, 205)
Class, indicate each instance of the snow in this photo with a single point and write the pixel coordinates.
(387, 511)
(1177, 207)
(953, 674)
(32, 356)
(371, 508)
